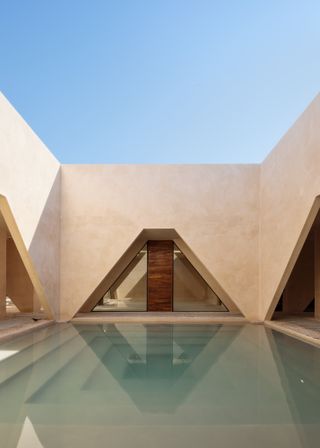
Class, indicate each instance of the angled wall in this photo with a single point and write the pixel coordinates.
(214, 208)
(121, 267)
(245, 223)
(29, 179)
(290, 183)
(19, 277)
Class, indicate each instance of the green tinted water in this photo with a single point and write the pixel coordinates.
(159, 386)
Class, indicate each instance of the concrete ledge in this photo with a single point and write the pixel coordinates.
(159, 317)
(21, 328)
(298, 333)
(298, 329)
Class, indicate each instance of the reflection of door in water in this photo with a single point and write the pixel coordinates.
(160, 275)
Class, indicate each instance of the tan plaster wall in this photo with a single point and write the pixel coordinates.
(317, 271)
(218, 210)
(19, 286)
(290, 182)
(28, 172)
(12, 231)
(214, 208)
(3, 267)
(45, 246)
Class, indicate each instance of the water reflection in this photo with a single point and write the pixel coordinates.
(174, 385)
(298, 366)
(158, 366)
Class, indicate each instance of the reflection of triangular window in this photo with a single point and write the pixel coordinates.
(190, 291)
(28, 436)
(129, 291)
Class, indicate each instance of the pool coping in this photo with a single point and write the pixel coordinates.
(13, 332)
(282, 326)
(163, 318)
(296, 334)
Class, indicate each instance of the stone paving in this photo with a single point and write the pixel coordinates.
(304, 328)
(158, 317)
(17, 325)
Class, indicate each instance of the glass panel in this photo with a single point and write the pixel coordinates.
(190, 291)
(129, 292)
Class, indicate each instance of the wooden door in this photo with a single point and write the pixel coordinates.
(160, 275)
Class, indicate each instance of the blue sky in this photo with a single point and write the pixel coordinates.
(160, 81)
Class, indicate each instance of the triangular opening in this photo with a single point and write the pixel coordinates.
(129, 292)
(17, 293)
(20, 288)
(190, 291)
(299, 294)
(311, 307)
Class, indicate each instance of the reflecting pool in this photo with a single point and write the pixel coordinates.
(131, 385)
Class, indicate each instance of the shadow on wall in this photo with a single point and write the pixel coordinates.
(45, 246)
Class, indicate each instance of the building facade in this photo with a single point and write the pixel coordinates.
(249, 233)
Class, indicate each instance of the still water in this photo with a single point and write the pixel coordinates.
(156, 386)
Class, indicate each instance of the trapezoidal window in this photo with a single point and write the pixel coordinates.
(299, 294)
(17, 293)
(190, 291)
(160, 278)
(129, 291)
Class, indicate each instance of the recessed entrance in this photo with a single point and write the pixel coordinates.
(160, 278)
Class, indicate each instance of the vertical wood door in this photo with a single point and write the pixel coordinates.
(160, 275)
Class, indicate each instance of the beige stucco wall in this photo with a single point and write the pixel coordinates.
(19, 286)
(290, 182)
(3, 267)
(214, 208)
(245, 223)
(28, 173)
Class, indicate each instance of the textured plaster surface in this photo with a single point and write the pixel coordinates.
(3, 268)
(214, 208)
(20, 267)
(28, 172)
(245, 223)
(19, 286)
(290, 182)
(45, 246)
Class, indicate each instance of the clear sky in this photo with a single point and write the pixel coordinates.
(160, 81)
